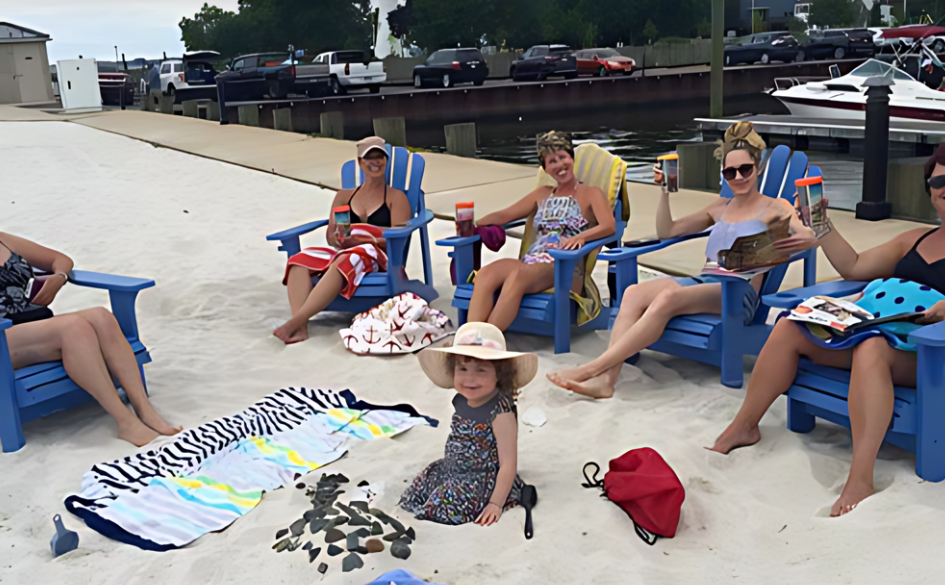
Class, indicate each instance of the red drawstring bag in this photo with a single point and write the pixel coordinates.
(646, 488)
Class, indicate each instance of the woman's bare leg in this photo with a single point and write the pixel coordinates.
(72, 339)
(121, 363)
(673, 300)
(489, 279)
(773, 374)
(527, 279)
(636, 298)
(876, 367)
(313, 300)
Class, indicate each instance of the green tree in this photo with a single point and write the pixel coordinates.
(273, 25)
(798, 28)
(650, 31)
(832, 13)
(876, 16)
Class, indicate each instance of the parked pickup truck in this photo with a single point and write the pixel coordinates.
(345, 70)
(257, 76)
(190, 78)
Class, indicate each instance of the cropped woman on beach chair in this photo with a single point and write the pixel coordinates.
(342, 267)
(566, 217)
(89, 343)
(907, 274)
(646, 308)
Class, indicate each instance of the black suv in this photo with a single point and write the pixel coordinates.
(447, 67)
(543, 61)
(840, 44)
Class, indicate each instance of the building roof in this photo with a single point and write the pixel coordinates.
(12, 33)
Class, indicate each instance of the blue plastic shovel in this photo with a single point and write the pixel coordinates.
(64, 540)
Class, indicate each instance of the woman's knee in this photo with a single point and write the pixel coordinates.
(100, 318)
(490, 277)
(870, 352)
(75, 328)
(667, 302)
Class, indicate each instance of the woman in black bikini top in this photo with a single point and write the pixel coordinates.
(90, 343)
(372, 203)
(917, 256)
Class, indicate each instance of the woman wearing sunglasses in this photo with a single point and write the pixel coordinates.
(907, 274)
(647, 308)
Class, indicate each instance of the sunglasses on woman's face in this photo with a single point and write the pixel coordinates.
(744, 170)
(937, 182)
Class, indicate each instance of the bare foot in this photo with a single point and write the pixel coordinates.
(734, 437)
(151, 418)
(137, 433)
(598, 387)
(290, 332)
(853, 493)
(573, 375)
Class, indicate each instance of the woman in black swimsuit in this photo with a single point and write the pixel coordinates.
(372, 203)
(90, 343)
(918, 256)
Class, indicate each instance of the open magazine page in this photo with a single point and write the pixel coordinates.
(751, 254)
(834, 313)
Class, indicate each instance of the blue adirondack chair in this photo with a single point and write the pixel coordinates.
(820, 391)
(377, 287)
(553, 313)
(723, 340)
(42, 389)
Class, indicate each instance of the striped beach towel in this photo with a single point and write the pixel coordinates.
(211, 475)
(353, 263)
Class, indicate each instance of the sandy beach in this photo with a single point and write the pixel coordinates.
(198, 226)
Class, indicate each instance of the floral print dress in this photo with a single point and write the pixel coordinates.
(557, 219)
(457, 488)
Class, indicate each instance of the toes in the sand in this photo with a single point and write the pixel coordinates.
(853, 494)
(290, 333)
(153, 420)
(734, 437)
(137, 433)
(597, 387)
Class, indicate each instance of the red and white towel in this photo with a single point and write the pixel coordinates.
(403, 324)
(353, 263)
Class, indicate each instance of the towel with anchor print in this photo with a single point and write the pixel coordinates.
(403, 324)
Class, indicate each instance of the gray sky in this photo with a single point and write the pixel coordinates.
(92, 28)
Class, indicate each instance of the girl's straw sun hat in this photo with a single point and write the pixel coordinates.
(481, 341)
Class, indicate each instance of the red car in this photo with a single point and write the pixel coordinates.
(603, 62)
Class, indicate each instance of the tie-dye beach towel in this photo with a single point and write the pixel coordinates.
(211, 475)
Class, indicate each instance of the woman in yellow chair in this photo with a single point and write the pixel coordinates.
(566, 217)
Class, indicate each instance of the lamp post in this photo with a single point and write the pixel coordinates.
(874, 206)
(718, 57)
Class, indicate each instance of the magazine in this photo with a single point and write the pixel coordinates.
(844, 316)
(753, 254)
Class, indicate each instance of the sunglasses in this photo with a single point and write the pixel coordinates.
(937, 182)
(744, 170)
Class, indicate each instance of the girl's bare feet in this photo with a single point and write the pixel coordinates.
(152, 419)
(853, 493)
(735, 436)
(291, 332)
(598, 387)
(136, 432)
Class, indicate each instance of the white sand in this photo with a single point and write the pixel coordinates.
(117, 205)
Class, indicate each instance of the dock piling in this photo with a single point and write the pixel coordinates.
(461, 139)
(392, 130)
(282, 119)
(191, 108)
(249, 115)
(874, 206)
(332, 125)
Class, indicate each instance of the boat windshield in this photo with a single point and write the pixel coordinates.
(873, 68)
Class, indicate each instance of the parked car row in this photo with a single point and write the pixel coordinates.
(783, 46)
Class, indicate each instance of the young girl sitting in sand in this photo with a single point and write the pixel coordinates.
(476, 480)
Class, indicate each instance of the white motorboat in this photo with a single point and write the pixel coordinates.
(845, 96)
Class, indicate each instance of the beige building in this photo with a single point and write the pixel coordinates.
(24, 65)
